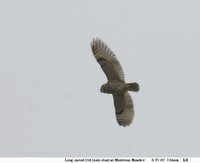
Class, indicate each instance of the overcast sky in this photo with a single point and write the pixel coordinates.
(50, 100)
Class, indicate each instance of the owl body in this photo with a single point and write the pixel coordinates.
(124, 109)
(113, 87)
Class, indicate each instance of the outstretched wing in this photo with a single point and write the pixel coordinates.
(107, 60)
(123, 108)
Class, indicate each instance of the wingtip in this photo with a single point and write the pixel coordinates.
(96, 39)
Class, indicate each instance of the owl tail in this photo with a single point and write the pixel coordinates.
(133, 87)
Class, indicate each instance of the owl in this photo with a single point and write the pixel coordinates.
(116, 85)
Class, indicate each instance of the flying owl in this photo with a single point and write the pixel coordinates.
(116, 82)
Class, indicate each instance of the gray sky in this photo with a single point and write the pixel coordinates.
(50, 103)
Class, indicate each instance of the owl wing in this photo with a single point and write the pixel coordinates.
(123, 108)
(107, 60)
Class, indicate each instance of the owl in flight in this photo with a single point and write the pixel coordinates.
(116, 82)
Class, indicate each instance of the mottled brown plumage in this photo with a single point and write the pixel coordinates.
(116, 82)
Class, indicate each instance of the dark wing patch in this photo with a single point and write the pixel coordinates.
(119, 103)
(100, 60)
